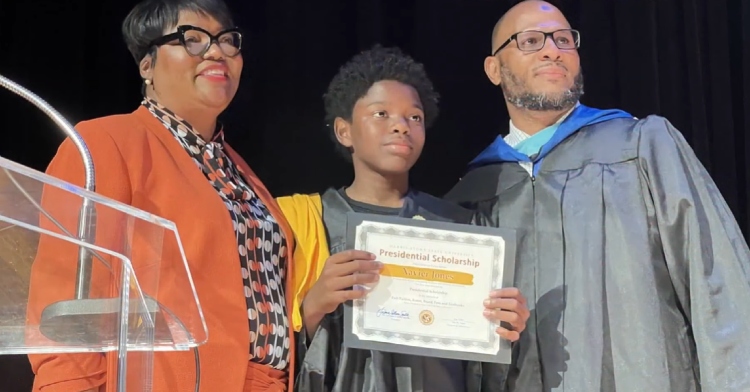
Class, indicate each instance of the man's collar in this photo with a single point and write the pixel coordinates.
(523, 135)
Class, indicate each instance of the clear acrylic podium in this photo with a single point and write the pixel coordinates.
(138, 297)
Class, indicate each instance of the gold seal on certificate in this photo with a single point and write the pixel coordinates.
(429, 297)
(426, 317)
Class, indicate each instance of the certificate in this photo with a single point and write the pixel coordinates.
(429, 298)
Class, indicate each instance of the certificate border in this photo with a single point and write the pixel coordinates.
(369, 228)
(351, 340)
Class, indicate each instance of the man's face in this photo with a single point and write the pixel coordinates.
(545, 80)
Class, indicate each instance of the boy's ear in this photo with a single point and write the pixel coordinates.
(343, 131)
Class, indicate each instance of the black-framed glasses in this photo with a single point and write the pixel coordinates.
(533, 41)
(197, 41)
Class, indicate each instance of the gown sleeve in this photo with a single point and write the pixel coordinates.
(319, 356)
(304, 214)
(706, 254)
(54, 268)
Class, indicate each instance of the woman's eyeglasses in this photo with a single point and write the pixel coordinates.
(197, 41)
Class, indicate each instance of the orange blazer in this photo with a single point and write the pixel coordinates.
(138, 162)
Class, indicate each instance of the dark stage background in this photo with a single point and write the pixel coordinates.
(687, 60)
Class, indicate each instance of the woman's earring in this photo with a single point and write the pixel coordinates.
(147, 81)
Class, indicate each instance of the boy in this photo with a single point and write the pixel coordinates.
(378, 107)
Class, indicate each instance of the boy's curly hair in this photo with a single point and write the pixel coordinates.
(356, 77)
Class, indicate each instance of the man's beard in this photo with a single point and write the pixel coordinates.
(518, 93)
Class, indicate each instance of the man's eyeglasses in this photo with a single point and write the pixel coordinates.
(196, 40)
(533, 41)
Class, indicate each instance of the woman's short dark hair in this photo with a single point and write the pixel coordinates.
(151, 18)
(356, 77)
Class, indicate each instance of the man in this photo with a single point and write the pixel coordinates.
(379, 106)
(635, 270)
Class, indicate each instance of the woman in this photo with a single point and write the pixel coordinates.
(169, 158)
(379, 106)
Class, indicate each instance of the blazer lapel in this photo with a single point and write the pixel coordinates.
(181, 158)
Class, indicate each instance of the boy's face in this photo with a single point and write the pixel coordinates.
(386, 134)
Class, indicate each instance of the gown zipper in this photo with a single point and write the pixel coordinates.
(538, 363)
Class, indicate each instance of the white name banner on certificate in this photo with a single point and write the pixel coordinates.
(429, 298)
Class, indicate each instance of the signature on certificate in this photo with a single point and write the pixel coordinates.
(392, 313)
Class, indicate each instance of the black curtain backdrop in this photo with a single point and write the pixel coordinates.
(687, 60)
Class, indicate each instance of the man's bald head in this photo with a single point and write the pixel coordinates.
(536, 73)
(505, 26)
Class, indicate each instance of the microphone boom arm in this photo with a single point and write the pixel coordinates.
(87, 216)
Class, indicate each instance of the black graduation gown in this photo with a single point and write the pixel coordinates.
(635, 270)
(328, 366)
